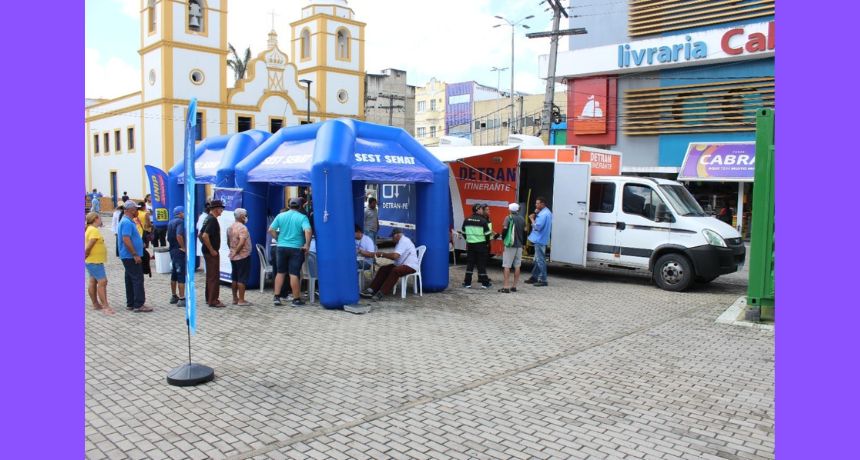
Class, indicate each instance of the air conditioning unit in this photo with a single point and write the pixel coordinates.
(522, 139)
(454, 141)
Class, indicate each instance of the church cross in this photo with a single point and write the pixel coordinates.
(272, 14)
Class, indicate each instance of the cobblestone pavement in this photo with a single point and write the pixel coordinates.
(599, 365)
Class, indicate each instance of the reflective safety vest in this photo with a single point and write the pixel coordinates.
(477, 229)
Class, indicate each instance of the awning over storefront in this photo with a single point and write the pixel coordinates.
(719, 161)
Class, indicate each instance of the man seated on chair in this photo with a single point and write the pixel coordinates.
(364, 247)
(405, 258)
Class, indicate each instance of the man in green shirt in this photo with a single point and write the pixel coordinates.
(293, 232)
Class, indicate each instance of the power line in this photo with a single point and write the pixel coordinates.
(572, 7)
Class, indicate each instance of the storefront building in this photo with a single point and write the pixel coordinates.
(460, 101)
(656, 80)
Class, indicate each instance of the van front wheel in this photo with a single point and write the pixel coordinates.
(673, 272)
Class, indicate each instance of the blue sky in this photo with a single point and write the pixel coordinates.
(452, 40)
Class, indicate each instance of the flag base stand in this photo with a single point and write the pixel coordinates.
(357, 308)
(190, 374)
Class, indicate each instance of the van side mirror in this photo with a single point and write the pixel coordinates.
(662, 214)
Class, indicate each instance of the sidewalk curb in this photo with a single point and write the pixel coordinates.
(735, 313)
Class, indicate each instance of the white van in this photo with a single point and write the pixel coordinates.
(636, 223)
(645, 223)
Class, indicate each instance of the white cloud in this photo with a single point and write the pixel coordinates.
(108, 78)
(452, 40)
(130, 8)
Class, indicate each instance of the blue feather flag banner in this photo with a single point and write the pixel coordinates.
(190, 228)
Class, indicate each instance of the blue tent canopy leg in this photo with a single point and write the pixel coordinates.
(331, 179)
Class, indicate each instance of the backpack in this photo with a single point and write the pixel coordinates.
(509, 236)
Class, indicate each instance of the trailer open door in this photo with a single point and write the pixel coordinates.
(569, 238)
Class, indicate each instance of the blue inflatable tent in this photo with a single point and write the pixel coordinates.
(215, 160)
(336, 158)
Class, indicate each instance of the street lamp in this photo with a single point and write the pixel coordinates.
(498, 71)
(513, 29)
(308, 83)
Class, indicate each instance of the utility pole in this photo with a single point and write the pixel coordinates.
(497, 129)
(557, 11)
(522, 120)
(391, 98)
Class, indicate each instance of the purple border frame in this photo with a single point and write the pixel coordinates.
(816, 345)
(43, 336)
(816, 392)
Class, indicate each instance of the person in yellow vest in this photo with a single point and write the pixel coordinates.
(95, 256)
(145, 217)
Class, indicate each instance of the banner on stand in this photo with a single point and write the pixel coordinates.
(232, 199)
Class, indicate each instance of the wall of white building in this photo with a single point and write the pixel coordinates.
(336, 82)
(152, 61)
(184, 62)
(127, 163)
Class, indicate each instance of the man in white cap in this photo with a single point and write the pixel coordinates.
(513, 231)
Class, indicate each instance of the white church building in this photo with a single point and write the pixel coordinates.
(183, 54)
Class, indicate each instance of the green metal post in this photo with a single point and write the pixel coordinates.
(761, 292)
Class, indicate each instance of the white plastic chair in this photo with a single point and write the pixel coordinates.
(361, 272)
(417, 281)
(309, 272)
(265, 268)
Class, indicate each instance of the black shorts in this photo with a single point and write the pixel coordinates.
(290, 261)
(241, 270)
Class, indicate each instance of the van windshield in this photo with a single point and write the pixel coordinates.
(680, 199)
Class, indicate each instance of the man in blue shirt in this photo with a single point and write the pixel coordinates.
(293, 231)
(95, 201)
(130, 250)
(539, 237)
(176, 240)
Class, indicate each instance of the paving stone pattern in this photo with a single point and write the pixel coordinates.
(597, 365)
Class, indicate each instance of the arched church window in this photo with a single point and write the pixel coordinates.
(195, 15)
(306, 44)
(343, 44)
(150, 14)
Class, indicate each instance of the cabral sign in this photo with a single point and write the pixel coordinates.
(719, 161)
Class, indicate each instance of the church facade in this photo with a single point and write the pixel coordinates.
(183, 54)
